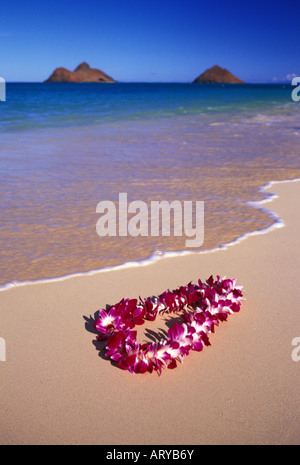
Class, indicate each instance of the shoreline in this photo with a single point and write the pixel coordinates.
(278, 223)
(58, 388)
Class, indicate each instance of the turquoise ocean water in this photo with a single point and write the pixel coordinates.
(66, 147)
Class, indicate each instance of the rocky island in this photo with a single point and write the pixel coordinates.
(83, 73)
(218, 75)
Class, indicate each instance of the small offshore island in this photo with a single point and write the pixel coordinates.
(83, 73)
(217, 75)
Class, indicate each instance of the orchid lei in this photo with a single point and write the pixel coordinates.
(203, 306)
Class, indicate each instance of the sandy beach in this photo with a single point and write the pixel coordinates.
(243, 389)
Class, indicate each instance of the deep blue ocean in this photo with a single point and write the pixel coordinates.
(40, 105)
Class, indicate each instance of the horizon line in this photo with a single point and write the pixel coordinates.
(157, 82)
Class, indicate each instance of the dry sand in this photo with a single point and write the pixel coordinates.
(243, 389)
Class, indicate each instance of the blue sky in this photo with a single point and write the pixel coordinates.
(145, 41)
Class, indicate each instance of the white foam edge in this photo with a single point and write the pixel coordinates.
(278, 223)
